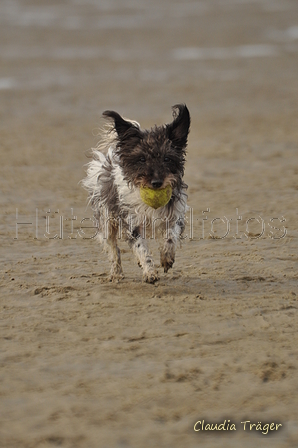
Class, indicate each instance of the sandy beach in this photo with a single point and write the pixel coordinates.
(86, 363)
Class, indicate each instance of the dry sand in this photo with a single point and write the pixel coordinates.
(86, 363)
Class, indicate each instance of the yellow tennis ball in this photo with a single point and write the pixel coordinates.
(156, 198)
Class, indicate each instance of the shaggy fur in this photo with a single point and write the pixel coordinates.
(127, 158)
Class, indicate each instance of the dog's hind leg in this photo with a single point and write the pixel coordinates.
(145, 260)
(168, 251)
(114, 253)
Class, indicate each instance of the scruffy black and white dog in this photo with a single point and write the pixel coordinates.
(127, 160)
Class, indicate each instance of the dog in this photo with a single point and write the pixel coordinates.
(127, 160)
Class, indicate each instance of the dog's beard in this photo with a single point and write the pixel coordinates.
(144, 181)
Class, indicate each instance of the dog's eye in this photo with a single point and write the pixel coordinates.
(167, 159)
(142, 159)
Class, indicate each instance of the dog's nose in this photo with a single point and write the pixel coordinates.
(156, 183)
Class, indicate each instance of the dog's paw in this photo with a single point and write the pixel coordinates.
(166, 262)
(116, 274)
(167, 265)
(116, 278)
(150, 277)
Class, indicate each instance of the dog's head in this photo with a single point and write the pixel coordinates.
(154, 158)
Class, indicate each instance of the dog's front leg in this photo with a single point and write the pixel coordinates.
(114, 252)
(168, 251)
(145, 260)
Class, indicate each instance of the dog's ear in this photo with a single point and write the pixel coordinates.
(178, 130)
(127, 131)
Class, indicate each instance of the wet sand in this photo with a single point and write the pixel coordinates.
(88, 363)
